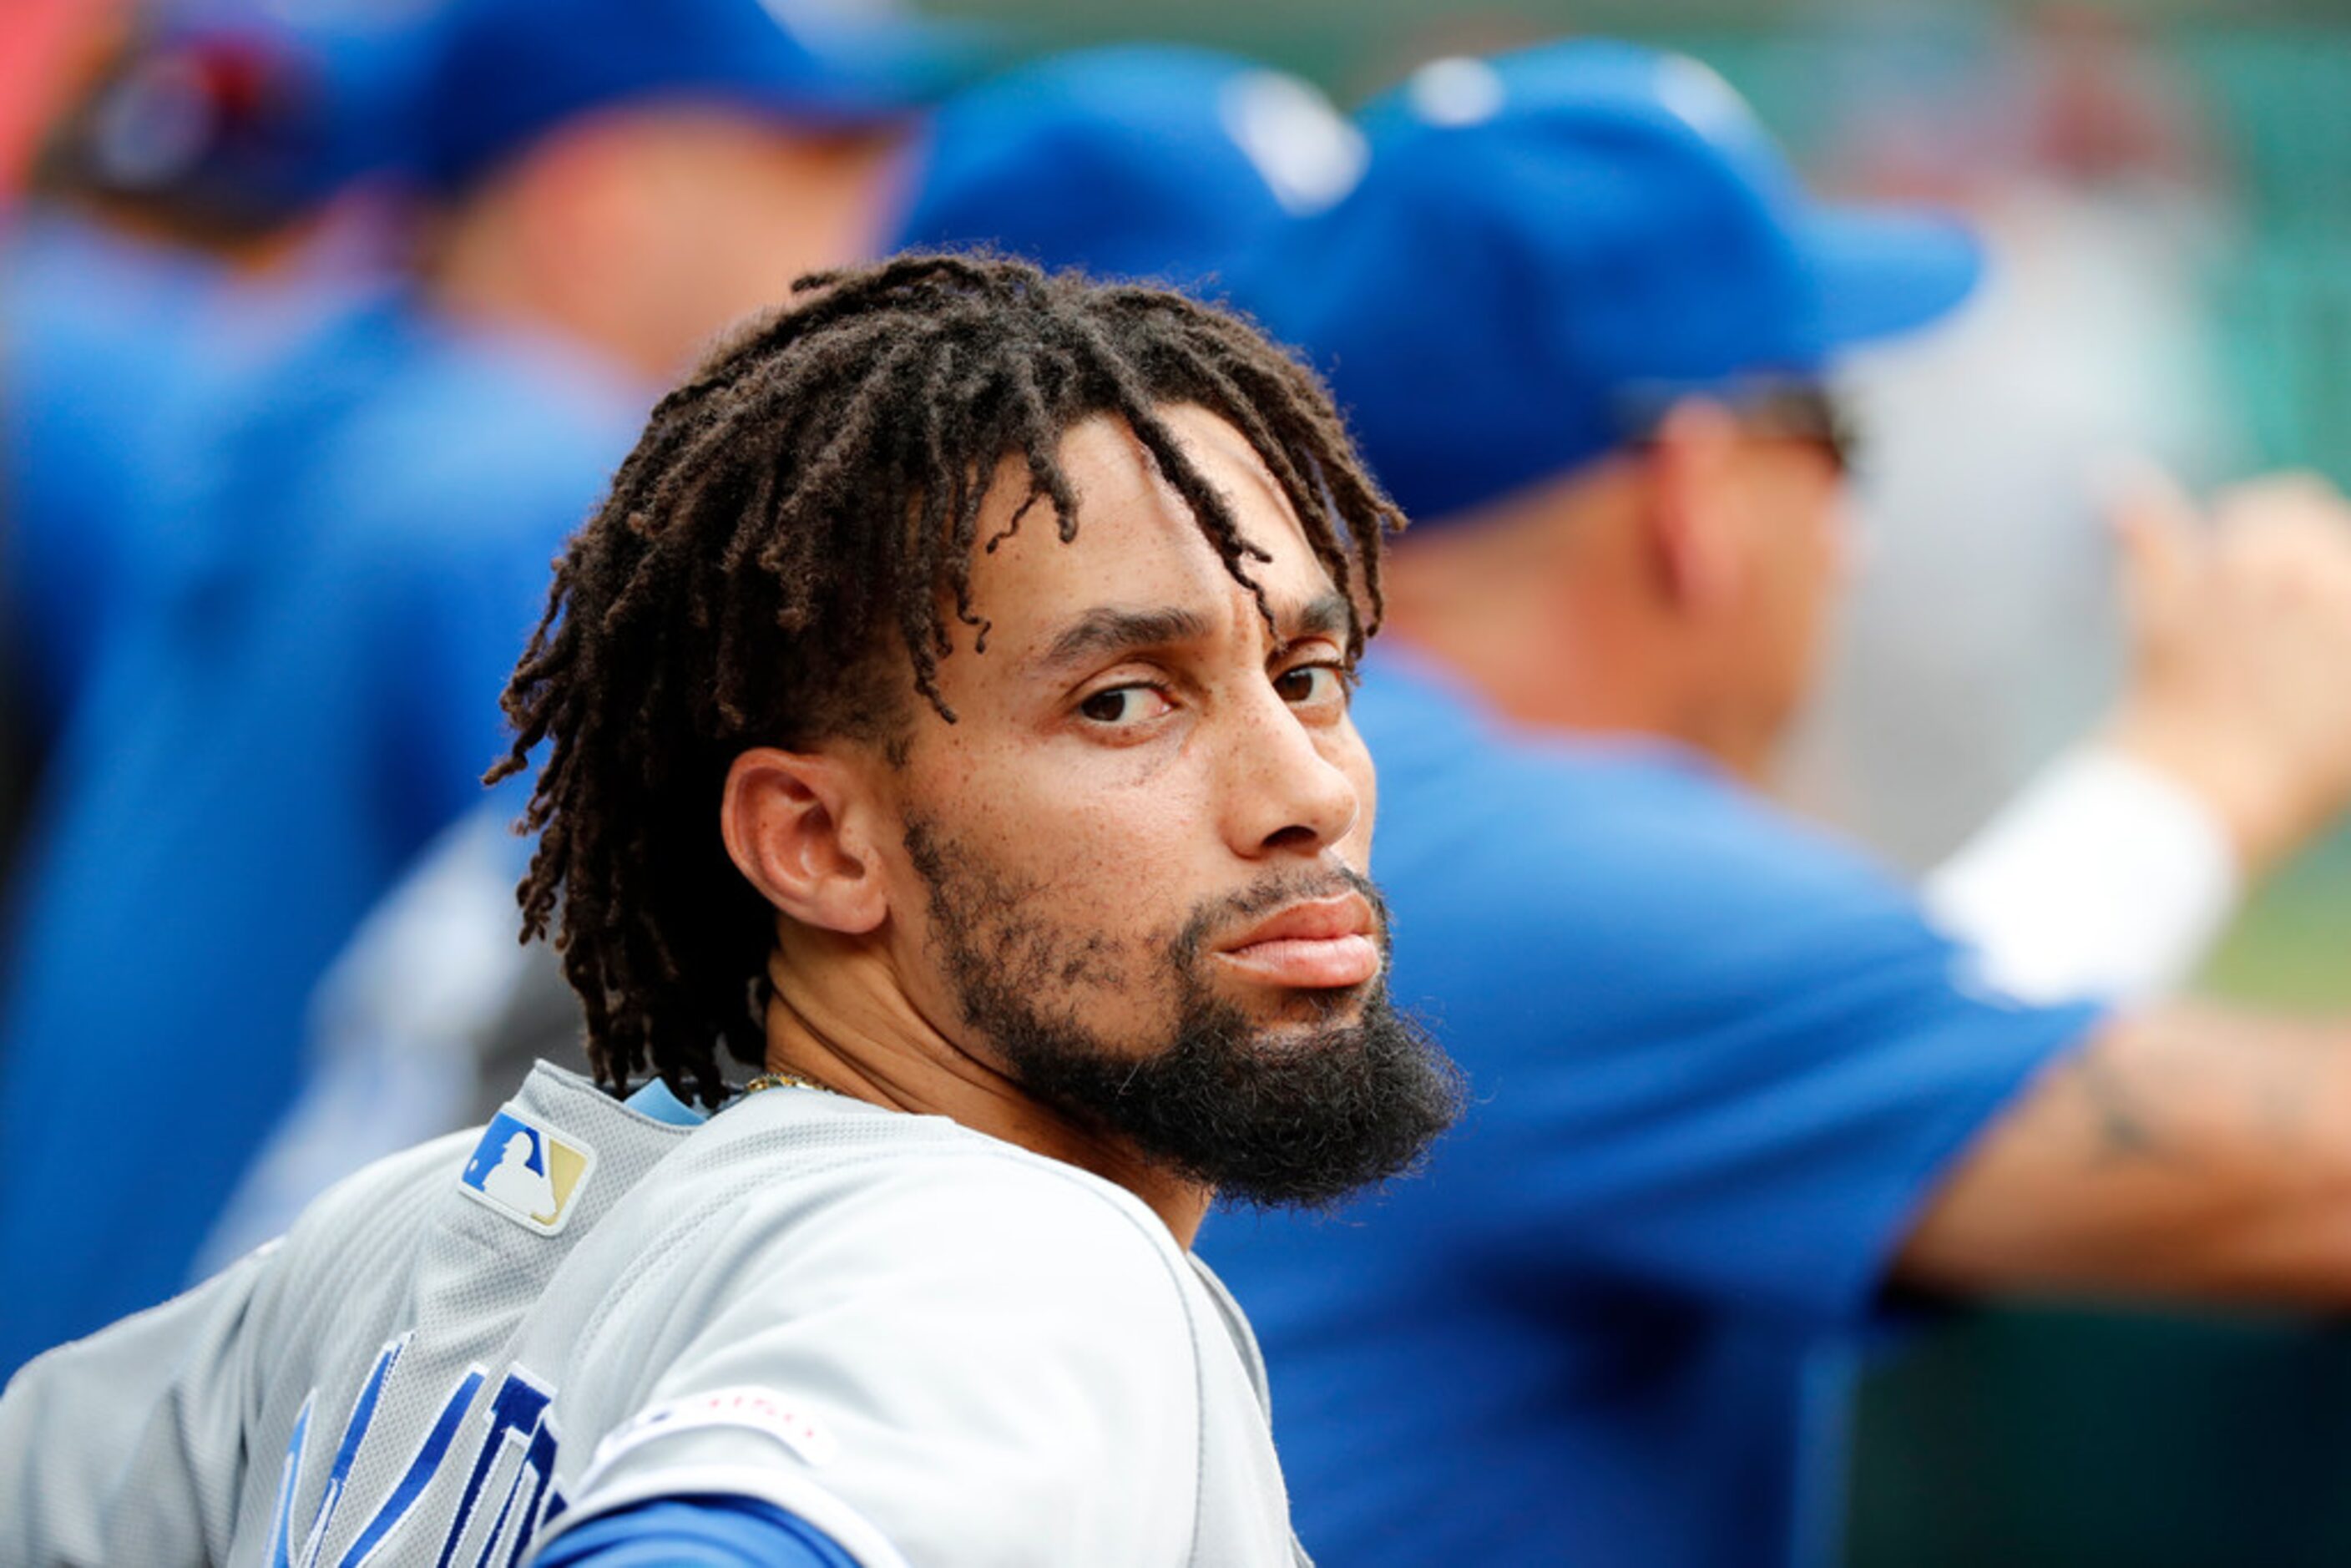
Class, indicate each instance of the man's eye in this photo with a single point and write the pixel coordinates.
(1304, 685)
(1124, 705)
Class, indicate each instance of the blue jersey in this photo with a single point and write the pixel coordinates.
(100, 354)
(1718, 1061)
(312, 694)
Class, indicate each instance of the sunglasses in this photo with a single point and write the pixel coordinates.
(1768, 408)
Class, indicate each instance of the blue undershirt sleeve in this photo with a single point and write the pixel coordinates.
(714, 1532)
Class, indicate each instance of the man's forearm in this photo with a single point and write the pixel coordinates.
(2191, 1152)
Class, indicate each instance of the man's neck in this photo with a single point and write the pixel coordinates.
(838, 1019)
(1544, 609)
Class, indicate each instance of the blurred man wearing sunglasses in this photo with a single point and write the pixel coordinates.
(1733, 1085)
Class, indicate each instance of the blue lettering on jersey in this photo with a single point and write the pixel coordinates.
(420, 1472)
(277, 1532)
(517, 1419)
(355, 1430)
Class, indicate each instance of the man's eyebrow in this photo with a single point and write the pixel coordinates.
(1108, 630)
(1325, 615)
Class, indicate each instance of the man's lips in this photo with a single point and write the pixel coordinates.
(1320, 944)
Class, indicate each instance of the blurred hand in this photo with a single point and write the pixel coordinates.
(2240, 678)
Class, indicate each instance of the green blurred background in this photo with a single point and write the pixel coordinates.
(2028, 1435)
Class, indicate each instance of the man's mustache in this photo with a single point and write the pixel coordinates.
(1290, 887)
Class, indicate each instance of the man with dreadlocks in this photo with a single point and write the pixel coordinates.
(947, 713)
(1130, 160)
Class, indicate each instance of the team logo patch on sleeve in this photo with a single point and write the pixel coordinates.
(527, 1173)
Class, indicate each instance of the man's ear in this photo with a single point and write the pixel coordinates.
(798, 826)
(1693, 511)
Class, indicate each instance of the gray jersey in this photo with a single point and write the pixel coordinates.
(933, 1346)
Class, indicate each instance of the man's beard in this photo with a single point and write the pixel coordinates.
(1297, 1113)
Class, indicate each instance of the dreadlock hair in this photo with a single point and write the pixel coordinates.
(804, 503)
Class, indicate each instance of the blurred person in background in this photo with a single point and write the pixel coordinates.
(169, 241)
(1736, 1092)
(1134, 161)
(598, 186)
(1979, 635)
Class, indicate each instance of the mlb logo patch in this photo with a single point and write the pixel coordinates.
(527, 1173)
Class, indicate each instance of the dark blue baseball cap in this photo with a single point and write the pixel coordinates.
(1130, 161)
(1544, 241)
(275, 105)
(248, 109)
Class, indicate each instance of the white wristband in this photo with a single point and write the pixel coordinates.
(2103, 878)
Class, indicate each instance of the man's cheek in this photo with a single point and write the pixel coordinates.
(1355, 849)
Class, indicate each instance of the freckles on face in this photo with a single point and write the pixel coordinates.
(1135, 750)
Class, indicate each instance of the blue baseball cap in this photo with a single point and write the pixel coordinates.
(1539, 241)
(503, 71)
(1131, 161)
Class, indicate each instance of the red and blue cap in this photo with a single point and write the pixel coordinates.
(1542, 240)
(263, 106)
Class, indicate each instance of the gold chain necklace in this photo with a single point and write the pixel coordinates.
(785, 1080)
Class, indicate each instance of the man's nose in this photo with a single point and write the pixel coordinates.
(1286, 795)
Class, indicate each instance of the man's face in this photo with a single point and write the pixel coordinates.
(729, 206)
(1135, 863)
